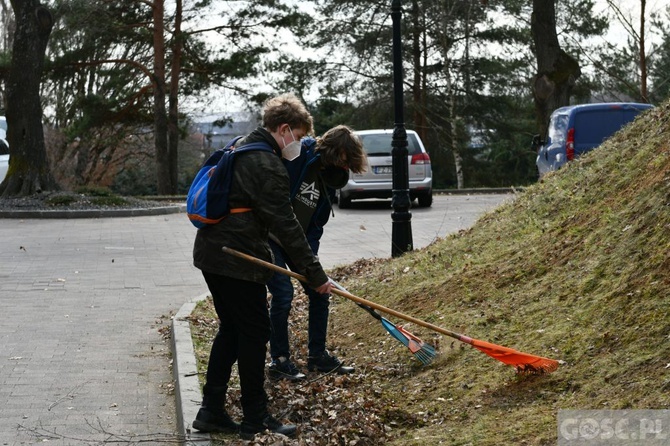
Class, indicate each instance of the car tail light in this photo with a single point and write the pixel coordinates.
(420, 158)
(570, 145)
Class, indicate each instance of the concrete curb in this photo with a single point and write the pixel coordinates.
(94, 213)
(177, 208)
(187, 385)
(481, 190)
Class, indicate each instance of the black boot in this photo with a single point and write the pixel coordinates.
(249, 429)
(325, 362)
(212, 416)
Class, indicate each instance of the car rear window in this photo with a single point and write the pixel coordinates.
(595, 126)
(557, 128)
(380, 144)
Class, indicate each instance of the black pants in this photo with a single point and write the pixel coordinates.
(282, 297)
(243, 335)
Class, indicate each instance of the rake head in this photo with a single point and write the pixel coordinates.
(524, 363)
(422, 351)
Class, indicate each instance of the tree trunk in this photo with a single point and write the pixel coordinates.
(556, 70)
(160, 113)
(173, 114)
(452, 118)
(29, 169)
(458, 159)
(643, 54)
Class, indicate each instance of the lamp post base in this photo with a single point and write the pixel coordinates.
(401, 235)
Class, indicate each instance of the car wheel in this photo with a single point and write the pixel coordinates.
(426, 200)
(343, 201)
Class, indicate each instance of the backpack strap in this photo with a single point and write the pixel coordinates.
(239, 210)
(246, 147)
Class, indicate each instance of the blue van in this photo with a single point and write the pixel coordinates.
(577, 129)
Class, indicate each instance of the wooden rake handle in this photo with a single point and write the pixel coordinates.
(350, 296)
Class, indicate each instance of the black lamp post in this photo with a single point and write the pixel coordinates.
(401, 237)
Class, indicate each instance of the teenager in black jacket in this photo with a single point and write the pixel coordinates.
(260, 183)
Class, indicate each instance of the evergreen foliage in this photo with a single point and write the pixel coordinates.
(467, 70)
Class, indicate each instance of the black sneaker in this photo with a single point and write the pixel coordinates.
(327, 363)
(207, 421)
(283, 368)
(248, 430)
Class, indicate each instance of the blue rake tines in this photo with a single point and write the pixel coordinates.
(422, 351)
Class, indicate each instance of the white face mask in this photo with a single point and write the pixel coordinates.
(291, 150)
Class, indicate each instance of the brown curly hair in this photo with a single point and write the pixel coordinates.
(341, 147)
(287, 109)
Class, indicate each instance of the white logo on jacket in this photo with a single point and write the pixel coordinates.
(309, 194)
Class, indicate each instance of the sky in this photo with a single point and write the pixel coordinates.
(631, 12)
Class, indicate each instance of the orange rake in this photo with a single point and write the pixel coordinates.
(522, 362)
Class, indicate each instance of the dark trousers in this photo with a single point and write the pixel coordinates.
(282, 296)
(243, 334)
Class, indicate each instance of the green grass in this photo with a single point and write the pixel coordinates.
(86, 196)
(109, 201)
(576, 268)
(61, 200)
(95, 191)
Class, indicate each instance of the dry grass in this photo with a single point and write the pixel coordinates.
(577, 268)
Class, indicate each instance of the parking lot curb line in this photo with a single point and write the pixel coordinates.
(479, 191)
(187, 384)
(93, 213)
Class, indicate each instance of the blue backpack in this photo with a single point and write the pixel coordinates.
(207, 199)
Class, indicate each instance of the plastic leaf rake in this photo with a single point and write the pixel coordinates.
(522, 362)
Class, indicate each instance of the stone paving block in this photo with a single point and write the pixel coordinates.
(91, 340)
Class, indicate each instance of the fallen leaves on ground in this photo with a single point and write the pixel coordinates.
(329, 409)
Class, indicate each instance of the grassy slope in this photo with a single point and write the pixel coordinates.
(577, 268)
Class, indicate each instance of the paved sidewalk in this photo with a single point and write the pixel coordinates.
(82, 359)
(82, 356)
